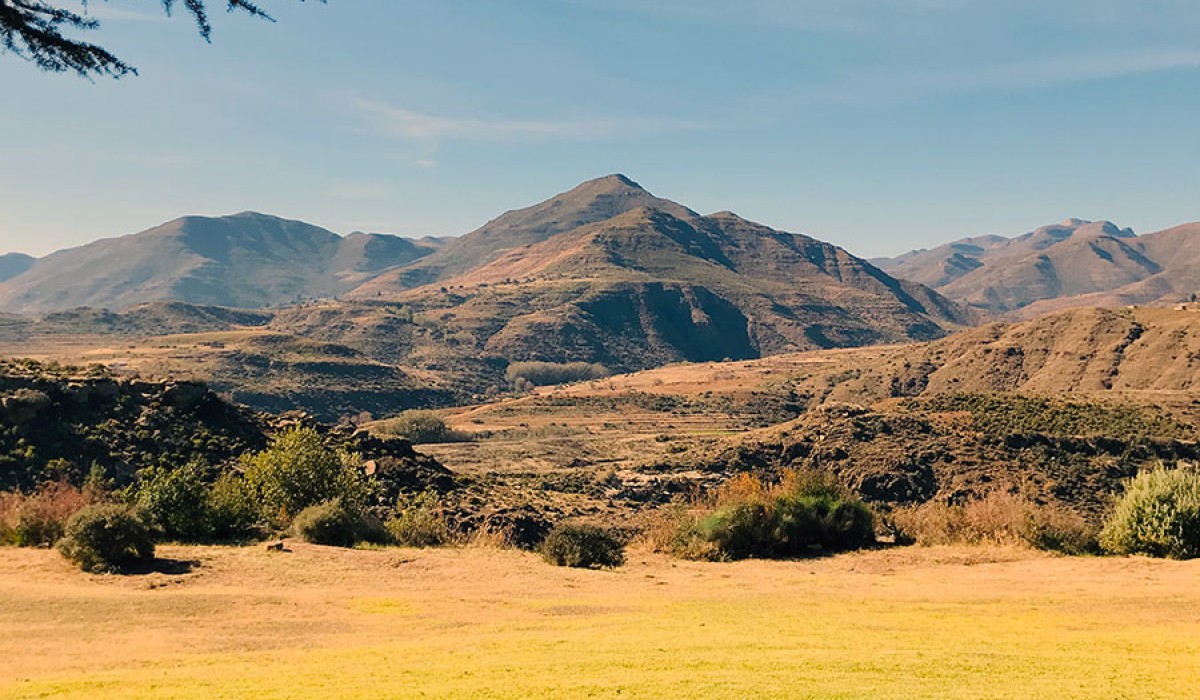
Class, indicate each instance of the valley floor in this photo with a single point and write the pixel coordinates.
(480, 623)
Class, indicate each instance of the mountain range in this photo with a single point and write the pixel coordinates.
(606, 272)
(246, 260)
(1075, 263)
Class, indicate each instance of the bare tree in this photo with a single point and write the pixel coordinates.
(35, 30)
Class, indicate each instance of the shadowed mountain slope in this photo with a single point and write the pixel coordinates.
(14, 264)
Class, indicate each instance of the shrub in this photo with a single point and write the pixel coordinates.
(1060, 530)
(822, 521)
(1159, 515)
(337, 524)
(547, 373)
(419, 427)
(176, 501)
(745, 517)
(741, 530)
(107, 537)
(582, 547)
(998, 518)
(299, 470)
(39, 518)
(420, 522)
(233, 512)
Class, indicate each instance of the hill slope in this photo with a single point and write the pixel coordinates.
(245, 260)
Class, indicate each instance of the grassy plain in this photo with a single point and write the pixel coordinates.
(480, 623)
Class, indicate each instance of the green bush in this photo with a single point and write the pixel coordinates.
(419, 427)
(176, 501)
(107, 537)
(420, 522)
(789, 526)
(299, 470)
(234, 513)
(741, 530)
(803, 513)
(582, 547)
(821, 521)
(337, 524)
(1159, 515)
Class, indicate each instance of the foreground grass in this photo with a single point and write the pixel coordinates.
(323, 623)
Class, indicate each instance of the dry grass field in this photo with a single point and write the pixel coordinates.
(480, 623)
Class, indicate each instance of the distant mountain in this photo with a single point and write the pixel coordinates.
(607, 272)
(246, 260)
(14, 264)
(1075, 263)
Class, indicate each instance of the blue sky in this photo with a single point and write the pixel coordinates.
(879, 125)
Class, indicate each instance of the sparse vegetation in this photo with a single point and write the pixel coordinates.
(1008, 414)
(107, 537)
(582, 547)
(1159, 515)
(548, 373)
(999, 518)
(420, 521)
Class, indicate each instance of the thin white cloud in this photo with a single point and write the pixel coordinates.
(411, 125)
(1024, 74)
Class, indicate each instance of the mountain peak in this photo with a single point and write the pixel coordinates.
(610, 183)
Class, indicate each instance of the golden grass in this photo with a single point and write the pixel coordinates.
(480, 623)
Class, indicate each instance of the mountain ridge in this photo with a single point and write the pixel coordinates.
(1072, 264)
(241, 260)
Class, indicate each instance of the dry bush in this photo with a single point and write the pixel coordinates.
(491, 537)
(999, 518)
(39, 518)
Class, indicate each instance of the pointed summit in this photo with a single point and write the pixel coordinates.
(590, 202)
(610, 183)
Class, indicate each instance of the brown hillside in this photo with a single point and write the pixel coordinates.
(592, 201)
(646, 287)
